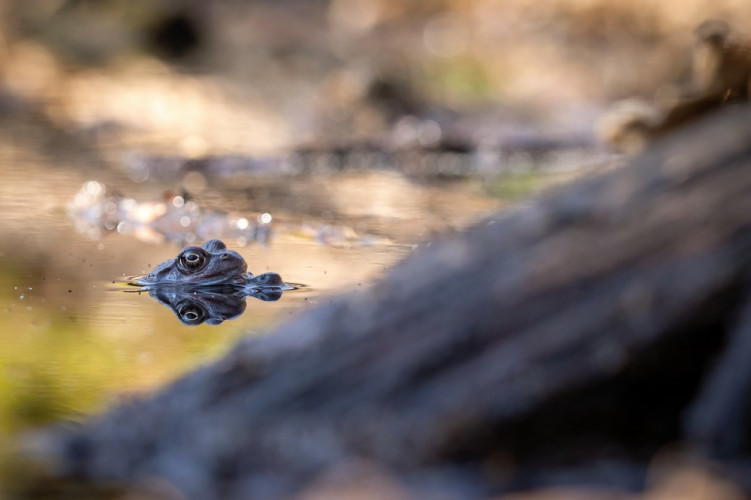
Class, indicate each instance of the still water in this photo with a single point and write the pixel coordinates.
(73, 342)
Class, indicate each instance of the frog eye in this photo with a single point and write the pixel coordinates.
(192, 260)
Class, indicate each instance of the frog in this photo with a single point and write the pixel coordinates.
(209, 283)
(210, 264)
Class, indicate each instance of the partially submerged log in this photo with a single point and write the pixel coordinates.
(579, 330)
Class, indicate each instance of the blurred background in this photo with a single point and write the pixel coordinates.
(322, 139)
(196, 77)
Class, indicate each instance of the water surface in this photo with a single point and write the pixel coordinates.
(74, 343)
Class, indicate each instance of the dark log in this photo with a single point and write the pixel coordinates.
(540, 345)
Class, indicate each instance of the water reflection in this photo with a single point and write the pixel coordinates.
(213, 304)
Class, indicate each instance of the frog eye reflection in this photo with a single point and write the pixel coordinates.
(191, 314)
(192, 260)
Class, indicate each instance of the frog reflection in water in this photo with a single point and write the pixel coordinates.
(211, 304)
(209, 284)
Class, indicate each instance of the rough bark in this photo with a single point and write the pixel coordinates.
(570, 332)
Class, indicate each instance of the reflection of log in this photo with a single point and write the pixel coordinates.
(574, 330)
